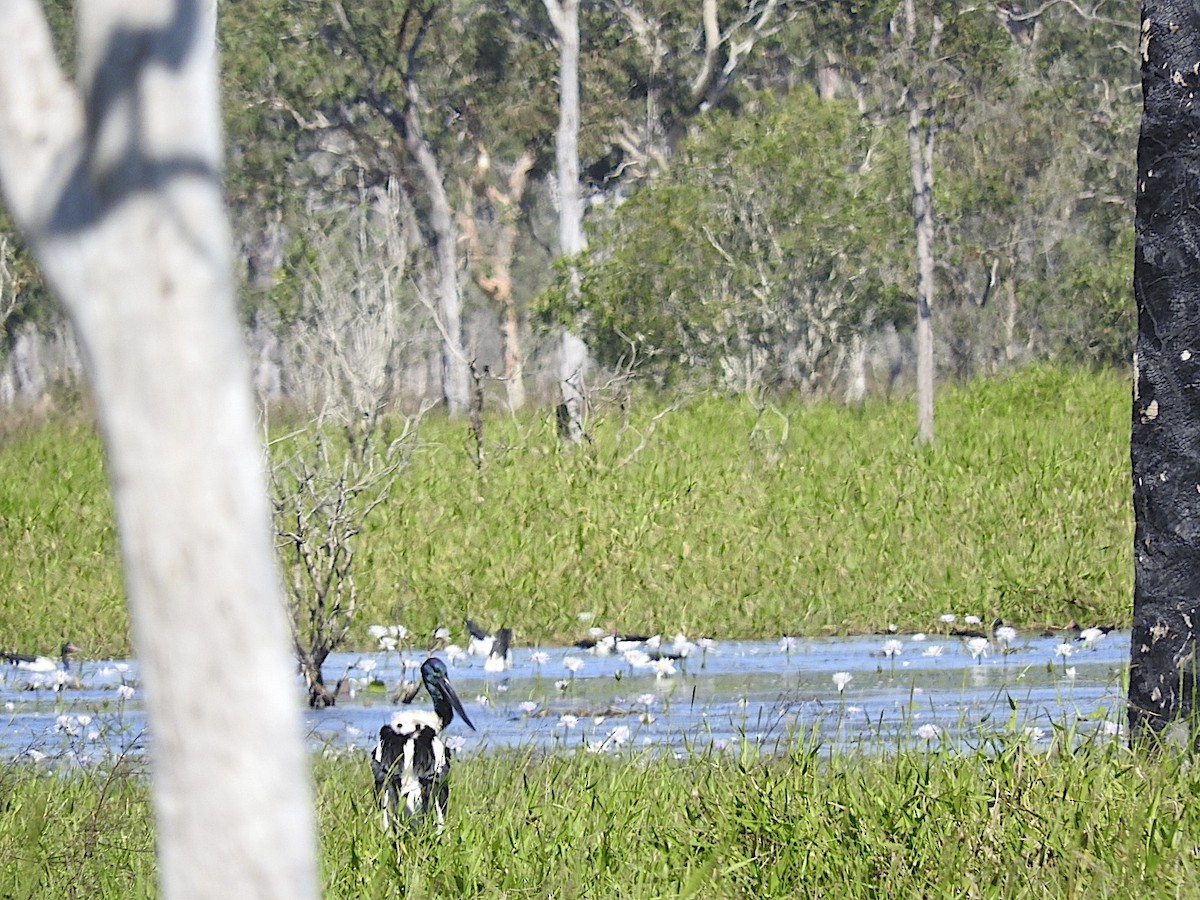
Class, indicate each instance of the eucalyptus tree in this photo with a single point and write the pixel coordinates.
(349, 83)
(564, 15)
(1166, 403)
(114, 179)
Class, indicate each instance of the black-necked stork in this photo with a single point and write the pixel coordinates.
(42, 663)
(411, 762)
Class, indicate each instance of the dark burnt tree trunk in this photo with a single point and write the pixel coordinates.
(1165, 446)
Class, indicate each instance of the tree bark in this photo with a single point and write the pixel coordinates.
(564, 14)
(920, 153)
(116, 186)
(493, 271)
(455, 376)
(1165, 435)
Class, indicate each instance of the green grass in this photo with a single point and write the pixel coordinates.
(806, 519)
(1004, 822)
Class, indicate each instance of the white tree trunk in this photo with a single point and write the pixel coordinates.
(115, 184)
(455, 365)
(920, 154)
(564, 14)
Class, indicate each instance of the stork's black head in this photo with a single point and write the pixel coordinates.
(437, 681)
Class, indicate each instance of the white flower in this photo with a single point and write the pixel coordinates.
(841, 679)
(482, 700)
(1113, 728)
(919, 636)
(948, 618)
(35, 755)
(972, 620)
(978, 647)
(441, 633)
(646, 700)
(892, 648)
(365, 665)
(9, 706)
(619, 735)
(84, 720)
(663, 668)
(528, 706)
(705, 643)
(387, 643)
(377, 631)
(929, 732)
(573, 663)
(1034, 734)
(1064, 650)
(539, 657)
(568, 721)
(562, 684)
(455, 743)
(121, 667)
(638, 659)
(787, 643)
(1070, 673)
(124, 692)
(1006, 634)
(933, 650)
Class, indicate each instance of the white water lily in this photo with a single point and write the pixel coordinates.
(892, 648)
(978, 647)
(1064, 650)
(841, 679)
(929, 732)
(572, 663)
(948, 618)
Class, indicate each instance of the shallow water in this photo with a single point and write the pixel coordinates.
(764, 694)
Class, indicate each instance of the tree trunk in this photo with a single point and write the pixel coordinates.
(493, 271)
(920, 155)
(564, 14)
(116, 185)
(1165, 438)
(455, 378)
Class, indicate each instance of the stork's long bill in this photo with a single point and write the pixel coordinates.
(437, 683)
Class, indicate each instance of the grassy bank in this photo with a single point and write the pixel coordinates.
(1003, 823)
(713, 518)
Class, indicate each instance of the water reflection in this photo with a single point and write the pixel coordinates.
(843, 692)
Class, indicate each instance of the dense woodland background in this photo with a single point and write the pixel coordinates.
(747, 185)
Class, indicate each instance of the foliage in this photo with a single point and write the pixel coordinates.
(769, 242)
(716, 518)
(1001, 820)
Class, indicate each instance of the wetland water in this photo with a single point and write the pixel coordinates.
(769, 694)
